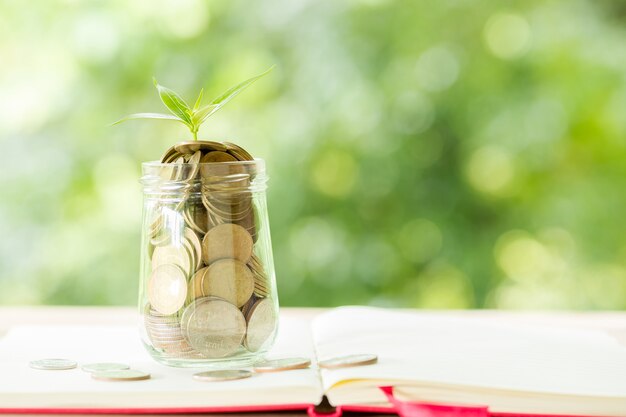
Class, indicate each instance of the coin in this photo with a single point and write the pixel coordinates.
(283, 364)
(222, 375)
(238, 152)
(172, 254)
(229, 279)
(196, 217)
(348, 361)
(261, 282)
(121, 375)
(167, 289)
(189, 147)
(261, 319)
(217, 156)
(196, 244)
(227, 241)
(104, 366)
(53, 364)
(192, 166)
(213, 326)
(194, 288)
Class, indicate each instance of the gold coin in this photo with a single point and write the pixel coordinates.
(282, 364)
(176, 255)
(229, 279)
(227, 241)
(193, 166)
(196, 246)
(261, 282)
(189, 147)
(261, 320)
(195, 289)
(348, 361)
(238, 152)
(178, 169)
(249, 223)
(167, 289)
(195, 216)
(217, 156)
(213, 327)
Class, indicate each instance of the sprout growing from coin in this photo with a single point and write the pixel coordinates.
(192, 117)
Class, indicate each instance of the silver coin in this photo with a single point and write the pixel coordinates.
(213, 327)
(121, 375)
(104, 366)
(283, 364)
(53, 364)
(348, 361)
(222, 375)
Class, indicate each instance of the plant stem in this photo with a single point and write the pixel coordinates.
(195, 134)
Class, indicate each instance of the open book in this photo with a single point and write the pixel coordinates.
(427, 358)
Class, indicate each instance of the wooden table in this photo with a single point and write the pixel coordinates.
(615, 322)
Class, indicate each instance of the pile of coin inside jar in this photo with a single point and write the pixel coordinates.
(208, 295)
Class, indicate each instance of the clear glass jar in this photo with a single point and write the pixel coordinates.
(207, 294)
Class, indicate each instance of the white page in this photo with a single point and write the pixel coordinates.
(472, 352)
(21, 386)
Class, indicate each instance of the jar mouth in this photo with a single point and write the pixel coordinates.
(158, 177)
(259, 163)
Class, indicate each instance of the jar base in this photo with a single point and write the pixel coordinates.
(242, 360)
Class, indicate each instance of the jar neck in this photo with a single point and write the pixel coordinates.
(220, 177)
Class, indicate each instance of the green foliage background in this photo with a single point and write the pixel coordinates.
(422, 154)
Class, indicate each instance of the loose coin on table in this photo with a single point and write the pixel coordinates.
(222, 375)
(53, 364)
(121, 375)
(283, 364)
(104, 366)
(348, 361)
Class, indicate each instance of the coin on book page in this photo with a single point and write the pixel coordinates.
(53, 364)
(283, 364)
(222, 375)
(167, 289)
(227, 241)
(121, 375)
(104, 366)
(348, 361)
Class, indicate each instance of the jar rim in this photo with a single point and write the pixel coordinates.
(258, 162)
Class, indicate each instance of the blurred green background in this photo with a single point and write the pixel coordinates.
(422, 154)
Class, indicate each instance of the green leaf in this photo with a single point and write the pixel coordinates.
(225, 97)
(202, 114)
(174, 103)
(198, 101)
(148, 116)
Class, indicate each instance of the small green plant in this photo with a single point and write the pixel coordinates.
(192, 117)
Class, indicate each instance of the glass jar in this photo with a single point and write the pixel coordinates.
(207, 294)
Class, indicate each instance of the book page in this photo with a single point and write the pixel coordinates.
(431, 351)
(21, 386)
